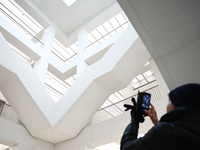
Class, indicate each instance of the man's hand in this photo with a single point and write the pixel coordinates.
(152, 114)
(136, 117)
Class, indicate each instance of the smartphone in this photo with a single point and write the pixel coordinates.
(143, 101)
(146, 102)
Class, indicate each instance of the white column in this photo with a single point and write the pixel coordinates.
(164, 90)
(83, 148)
(21, 147)
(41, 65)
(82, 43)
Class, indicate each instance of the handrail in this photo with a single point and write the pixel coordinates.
(126, 98)
(106, 34)
(17, 23)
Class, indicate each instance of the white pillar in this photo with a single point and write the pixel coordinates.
(82, 43)
(164, 90)
(83, 148)
(41, 65)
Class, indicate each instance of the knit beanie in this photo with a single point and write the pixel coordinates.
(186, 95)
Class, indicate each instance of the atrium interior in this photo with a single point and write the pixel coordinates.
(67, 67)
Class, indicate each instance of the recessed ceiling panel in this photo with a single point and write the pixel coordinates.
(69, 18)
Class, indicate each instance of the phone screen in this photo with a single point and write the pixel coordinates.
(146, 101)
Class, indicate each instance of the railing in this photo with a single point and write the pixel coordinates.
(19, 25)
(107, 34)
(117, 108)
(7, 112)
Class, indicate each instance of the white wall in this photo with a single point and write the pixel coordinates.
(15, 134)
(170, 31)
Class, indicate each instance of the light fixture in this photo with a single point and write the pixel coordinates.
(69, 2)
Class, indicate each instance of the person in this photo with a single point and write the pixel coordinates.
(178, 129)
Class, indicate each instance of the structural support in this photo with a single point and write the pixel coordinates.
(82, 43)
(65, 119)
(170, 31)
(41, 65)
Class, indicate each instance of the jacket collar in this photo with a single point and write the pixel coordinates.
(180, 113)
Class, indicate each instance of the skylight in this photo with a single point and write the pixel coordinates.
(69, 2)
(108, 29)
(20, 19)
(57, 87)
(62, 54)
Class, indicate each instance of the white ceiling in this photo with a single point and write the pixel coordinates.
(68, 19)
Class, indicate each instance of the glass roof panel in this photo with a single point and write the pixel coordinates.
(120, 18)
(119, 96)
(102, 30)
(124, 15)
(148, 73)
(9, 16)
(56, 58)
(70, 51)
(108, 26)
(56, 83)
(58, 55)
(135, 80)
(57, 87)
(140, 77)
(18, 17)
(62, 54)
(74, 47)
(91, 38)
(114, 22)
(107, 30)
(125, 25)
(71, 80)
(96, 34)
(107, 103)
(113, 98)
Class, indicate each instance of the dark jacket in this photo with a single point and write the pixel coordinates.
(177, 130)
